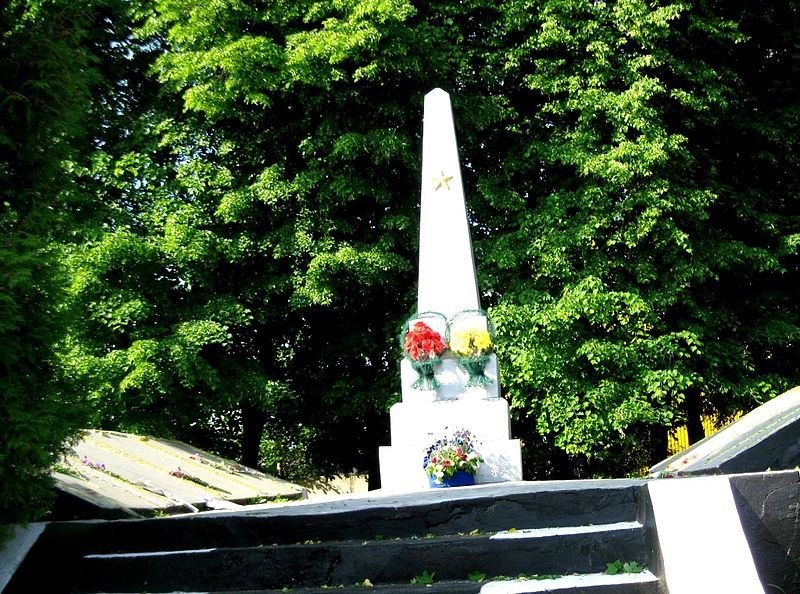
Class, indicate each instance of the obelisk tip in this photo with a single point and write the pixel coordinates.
(436, 92)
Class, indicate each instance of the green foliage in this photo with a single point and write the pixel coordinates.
(627, 293)
(424, 578)
(476, 576)
(619, 567)
(47, 79)
(248, 285)
(239, 232)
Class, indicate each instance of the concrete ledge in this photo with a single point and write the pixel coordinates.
(703, 546)
(631, 527)
(15, 550)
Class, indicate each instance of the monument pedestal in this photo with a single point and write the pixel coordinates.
(418, 421)
(401, 465)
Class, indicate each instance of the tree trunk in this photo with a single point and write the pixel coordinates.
(659, 444)
(694, 424)
(253, 421)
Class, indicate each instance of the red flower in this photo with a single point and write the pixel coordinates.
(422, 342)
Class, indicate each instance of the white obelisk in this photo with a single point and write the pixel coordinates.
(447, 287)
(447, 282)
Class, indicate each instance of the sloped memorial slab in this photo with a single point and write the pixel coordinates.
(767, 438)
(109, 474)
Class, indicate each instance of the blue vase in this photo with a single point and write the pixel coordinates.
(459, 479)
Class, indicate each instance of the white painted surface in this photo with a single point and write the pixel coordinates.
(416, 425)
(446, 268)
(452, 379)
(564, 530)
(150, 554)
(702, 543)
(422, 423)
(730, 435)
(401, 465)
(570, 581)
(14, 551)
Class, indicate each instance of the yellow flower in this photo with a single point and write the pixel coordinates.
(470, 341)
(483, 342)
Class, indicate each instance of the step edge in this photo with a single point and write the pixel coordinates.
(567, 582)
(151, 554)
(567, 530)
(522, 533)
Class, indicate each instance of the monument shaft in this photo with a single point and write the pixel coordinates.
(447, 282)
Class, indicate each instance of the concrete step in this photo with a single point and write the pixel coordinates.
(437, 511)
(597, 583)
(387, 538)
(540, 551)
(454, 587)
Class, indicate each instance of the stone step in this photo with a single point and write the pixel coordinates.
(490, 508)
(597, 583)
(251, 536)
(541, 551)
(449, 587)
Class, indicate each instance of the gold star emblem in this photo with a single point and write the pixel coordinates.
(442, 182)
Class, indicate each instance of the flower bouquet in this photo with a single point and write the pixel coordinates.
(423, 346)
(452, 460)
(471, 343)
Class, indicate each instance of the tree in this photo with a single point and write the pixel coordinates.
(261, 263)
(260, 256)
(250, 284)
(639, 270)
(47, 79)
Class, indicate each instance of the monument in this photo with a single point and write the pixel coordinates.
(458, 389)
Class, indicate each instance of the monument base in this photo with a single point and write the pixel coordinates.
(425, 416)
(401, 466)
(422, 423)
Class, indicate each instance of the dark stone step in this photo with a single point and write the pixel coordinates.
(456, 587)
(488, 508)
(382, 562)
(447, 511)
